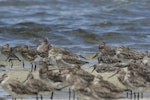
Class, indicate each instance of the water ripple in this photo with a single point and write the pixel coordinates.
(75, 24)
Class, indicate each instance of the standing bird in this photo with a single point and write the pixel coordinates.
(127, 53)
(9, 52)
(133, 80)
(54, 51)
(83, 74)
(78, 79)
(28, 53)
(103, 67)
(75, 82)
(15, 88)
(39, 86)
(44, 47)
(102, 89)
(63, 61)
(49, 75)
(105, 52)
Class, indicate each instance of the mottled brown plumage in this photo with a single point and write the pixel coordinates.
(15, 88)
(9, 52)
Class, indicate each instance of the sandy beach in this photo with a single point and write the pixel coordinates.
(20, 73)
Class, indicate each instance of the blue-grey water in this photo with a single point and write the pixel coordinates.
(78, 25)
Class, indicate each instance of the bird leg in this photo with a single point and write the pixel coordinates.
(41, 97)
(23, 64)
(134, 96)
(127, 94)
(35, 67)
(31, 67)
(36, 97)
(138, 96)
(52, 96)
(69, 94)
(131, 94)
(94, 67)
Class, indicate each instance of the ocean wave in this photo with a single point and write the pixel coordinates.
(103, 24)
(26, 29)
(84, 36)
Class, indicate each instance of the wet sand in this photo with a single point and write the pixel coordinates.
(19, 73)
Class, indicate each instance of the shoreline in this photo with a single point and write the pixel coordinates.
(20, 73)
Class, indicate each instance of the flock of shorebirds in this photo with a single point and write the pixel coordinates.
(58, 68)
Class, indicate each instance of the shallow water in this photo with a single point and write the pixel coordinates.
(78, 25)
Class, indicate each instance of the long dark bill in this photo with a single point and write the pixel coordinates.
(28, 74)
(115, 73)
(95, 56)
